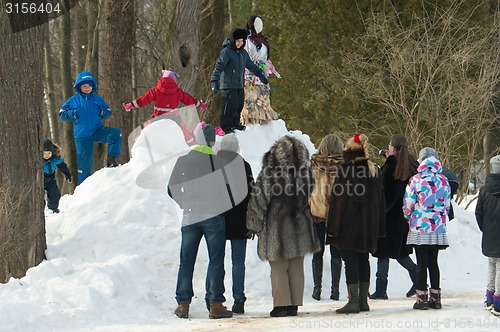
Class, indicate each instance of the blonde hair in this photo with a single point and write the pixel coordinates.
(330, 145)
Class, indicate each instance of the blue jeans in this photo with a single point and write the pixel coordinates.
(383, 272)
(85, 149)
(214, 231)
(238, 253)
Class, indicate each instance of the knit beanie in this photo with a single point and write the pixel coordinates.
(239, 34)
(48, 145)
(426, 153)
(169, 73)
(495, 164)
(229, 142)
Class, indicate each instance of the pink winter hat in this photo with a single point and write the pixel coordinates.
(167, 73)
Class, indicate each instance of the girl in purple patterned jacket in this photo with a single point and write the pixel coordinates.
(426, 205)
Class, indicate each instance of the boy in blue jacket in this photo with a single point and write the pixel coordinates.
(51, 160)
(87, 110)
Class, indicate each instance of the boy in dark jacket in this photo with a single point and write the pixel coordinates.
(87, 110)
(488, 220)
(228, 75)
(51, 160)
(236, 229)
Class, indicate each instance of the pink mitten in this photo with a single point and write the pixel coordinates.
(128, 106)
(203, 105)
(219, 131)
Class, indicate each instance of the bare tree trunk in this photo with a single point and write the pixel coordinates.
(52, 110)
(92, 60)
(22, 223)
(486, 153)
(230, 11)
(196, 28)
(68, 148)
(255, 7)
(80, 32)
(119, 18)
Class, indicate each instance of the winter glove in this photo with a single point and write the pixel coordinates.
(219, 131)
(251, 235)
(128, 106)
(215, 87)
(69, 177)
(263, 79)
(203, 105)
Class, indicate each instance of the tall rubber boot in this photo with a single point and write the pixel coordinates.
(363, 296)
(336, 266)
(352, 307)
(317, 267)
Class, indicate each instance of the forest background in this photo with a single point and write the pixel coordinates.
(429, 69)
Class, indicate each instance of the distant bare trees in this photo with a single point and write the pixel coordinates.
(434, 79)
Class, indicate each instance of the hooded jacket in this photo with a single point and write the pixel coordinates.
(49, 165)
(324, 170)
(230, 67)
(488, 215)
(85, 110)
(426, 203)
(356, 215)
(278, 210)
(167, 95)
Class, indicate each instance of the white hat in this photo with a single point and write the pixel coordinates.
(229, 142)
(257, 24)
(495, 164)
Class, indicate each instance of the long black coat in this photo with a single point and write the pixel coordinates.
(488, 215)
(393, 245)
(356, 215)
(236, 228)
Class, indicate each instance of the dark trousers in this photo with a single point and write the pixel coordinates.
(321, 231)
(357, 266)
(53, 194)
(427, 259)
(232, 104)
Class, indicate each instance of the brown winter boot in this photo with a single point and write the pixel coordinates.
(182, 310)
(422, 303)
(435, 298)
(217, 310)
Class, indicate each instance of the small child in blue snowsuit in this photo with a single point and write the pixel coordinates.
(87, 110)
(51, 160)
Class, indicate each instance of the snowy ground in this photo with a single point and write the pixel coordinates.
(112, 262)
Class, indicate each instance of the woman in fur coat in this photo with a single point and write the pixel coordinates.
(356, 219)
(324, 166)
(279, 213)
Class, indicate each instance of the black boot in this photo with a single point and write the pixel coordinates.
(279, 312)
(336, 266)
(317, 266)
(435, 298)
(380, 290)
(363, 296)
(422, 303)
(112, 161)
(239, 306)
(352, 307)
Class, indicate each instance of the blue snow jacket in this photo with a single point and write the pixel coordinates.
(49, 168)
(230, 67)
(85, 110)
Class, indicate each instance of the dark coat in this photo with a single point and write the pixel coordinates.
(393, 245)
(356, 215)
(230, 66)
(488, 215)
(197, 184)
(236, 228)
(453, 181)
(278, 210)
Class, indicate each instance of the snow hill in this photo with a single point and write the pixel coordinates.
(113, 254)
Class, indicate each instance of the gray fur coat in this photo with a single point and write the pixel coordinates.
(279, 210)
